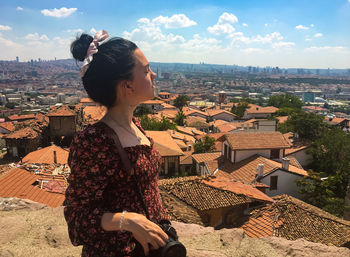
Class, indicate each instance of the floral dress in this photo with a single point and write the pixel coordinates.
(98, 183)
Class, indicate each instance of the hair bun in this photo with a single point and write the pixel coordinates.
(80, 45)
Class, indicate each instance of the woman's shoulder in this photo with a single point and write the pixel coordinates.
(92, 133)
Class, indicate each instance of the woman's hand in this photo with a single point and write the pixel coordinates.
(145, 231)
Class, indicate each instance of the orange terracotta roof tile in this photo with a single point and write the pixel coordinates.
(237, 187)
(94, 113)
(18, 183)
(190, 130)
(200, 196)
(245, 170)
(164, 143)
(256, 109)
(86, 100)
(27, 133)
(153, 102)
(61, 111)
(204, 157)
(21, 117)
(46, 155)
(292, 219)
(213, 113)
(8, 125)
(282, 119)
(257, 140)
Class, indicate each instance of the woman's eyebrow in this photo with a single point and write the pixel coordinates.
(147, 65)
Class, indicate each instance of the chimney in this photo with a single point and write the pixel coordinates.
(260, 171)
(54, 157)
(285, 163)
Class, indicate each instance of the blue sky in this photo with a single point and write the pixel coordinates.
(294, 33)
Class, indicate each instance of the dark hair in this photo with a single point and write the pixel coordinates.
(113, 62)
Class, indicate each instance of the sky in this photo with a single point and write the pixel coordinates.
(287, 34)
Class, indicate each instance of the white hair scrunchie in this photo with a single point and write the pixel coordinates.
(98, 38)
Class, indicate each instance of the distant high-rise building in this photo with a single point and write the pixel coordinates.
(17, 59)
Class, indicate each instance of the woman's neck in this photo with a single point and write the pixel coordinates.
(122, 114)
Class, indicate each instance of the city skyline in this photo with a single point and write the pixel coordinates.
(247, 33)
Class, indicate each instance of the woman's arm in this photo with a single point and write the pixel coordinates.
(143, 230)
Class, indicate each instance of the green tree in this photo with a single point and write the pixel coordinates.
(239, 109)
(308, 126)
(330, 161)
(152, 124)
(286, 100)
(207, 144)
(319, 191)
(181, 101)
(180, 118)
(141, 110)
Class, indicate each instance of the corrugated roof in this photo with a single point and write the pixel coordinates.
(18, 183)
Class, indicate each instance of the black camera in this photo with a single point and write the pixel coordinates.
(173, 247)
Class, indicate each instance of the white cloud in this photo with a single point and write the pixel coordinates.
(227, 18)
(301, 27)
(266, 24)
(326, 48)
(312, 25)
(19, 8)
(223, 26)
(245, 25)
(93, 30)
(5, 27)
(175, 21)
(218, 29)
(59, 13)
(74, 30)
(318, 35)
(36, 37)
(252, 50)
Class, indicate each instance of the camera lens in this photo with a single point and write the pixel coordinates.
(174, 249)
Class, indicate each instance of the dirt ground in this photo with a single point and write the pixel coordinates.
(29, 229)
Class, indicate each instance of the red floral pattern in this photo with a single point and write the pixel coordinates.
(99, 184)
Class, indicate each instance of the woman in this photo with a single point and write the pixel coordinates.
(103, 210)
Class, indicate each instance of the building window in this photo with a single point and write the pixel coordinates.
(230, 153)
(225, 151)
(273, 182)
(275, 154)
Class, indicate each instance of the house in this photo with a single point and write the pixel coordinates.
(239, 146)
(343, 123)
(279, 177)
(208, 201)
(164, 95)
(198, 123)
(299, 150)
(190, 131)
(189, 111)
(202, 162)
(87, 102)
(169, 151)
(23, 141)
(219, 139)
(49, 155)
(23, 184)
(293, 219)
(221, 115)
(62, 126)
(257, 112)
(93, 113)
(154, 105)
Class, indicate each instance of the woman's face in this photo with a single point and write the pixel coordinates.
(142, 84)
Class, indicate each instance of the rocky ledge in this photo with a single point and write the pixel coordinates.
(32, 229)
